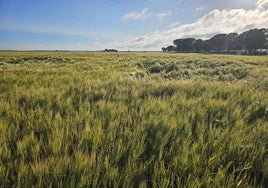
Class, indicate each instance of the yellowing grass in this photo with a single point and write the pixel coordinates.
(133, 120)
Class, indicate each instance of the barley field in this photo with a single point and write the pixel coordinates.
(95, 119)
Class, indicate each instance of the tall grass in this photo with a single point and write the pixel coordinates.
(120, 120)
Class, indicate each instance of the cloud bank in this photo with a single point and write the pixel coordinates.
(216, 21)
(262, 4)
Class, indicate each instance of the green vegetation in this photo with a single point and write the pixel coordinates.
(133, 120)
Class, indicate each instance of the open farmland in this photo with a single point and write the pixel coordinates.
(73, 119)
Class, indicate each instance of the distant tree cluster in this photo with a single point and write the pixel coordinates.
(254, 41)
(111, 50)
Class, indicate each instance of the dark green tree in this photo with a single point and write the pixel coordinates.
(253, 39)
(184, 45)
(171, 48)
(231, 41)
(198, 45)
(218, 42)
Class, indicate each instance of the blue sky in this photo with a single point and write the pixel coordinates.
(121, 24)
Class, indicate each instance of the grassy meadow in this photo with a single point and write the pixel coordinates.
(76, 119)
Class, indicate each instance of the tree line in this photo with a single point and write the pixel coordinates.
(111, 50)
(254, 41)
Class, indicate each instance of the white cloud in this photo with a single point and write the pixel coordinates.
(262, 4)
(215, 22)
(163, 14)
(137, 15)
(198, 9)
(145, 14)
(175, 24)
